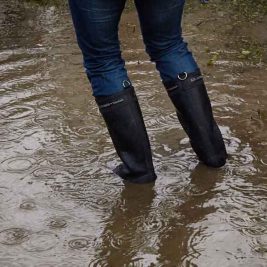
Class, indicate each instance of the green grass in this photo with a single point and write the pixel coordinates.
(250, 8)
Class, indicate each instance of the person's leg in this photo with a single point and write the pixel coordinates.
(162, 34)
(96, 25)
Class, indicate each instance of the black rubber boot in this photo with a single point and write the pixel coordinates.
(126, 127)
(189, 95)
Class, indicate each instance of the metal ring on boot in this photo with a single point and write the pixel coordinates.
(126, 83)
(182, 78)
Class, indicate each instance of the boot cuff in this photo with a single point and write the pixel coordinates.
(122, 96)
(183, 80)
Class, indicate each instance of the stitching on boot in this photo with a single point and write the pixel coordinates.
(172, 88)
(111, 103)
(194, 79)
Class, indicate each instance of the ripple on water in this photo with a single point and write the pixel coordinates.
(263, 162)
(242, 202)
(70, 158)
(255, 230)
(248, 226)
(4, 193)
(260, 245)
(47, 118)
(172, 189)
(80, 243)
(14, 236)
(192, 252)
(41, 241)
(28, 205)
(7, 135)
(69, 262)
(98, 262)
(86, 131)
(174, 167)
(46, 173)
(47, 264)
(17, 112)
(99, 195)
(14, 262)
(125, 240)
(106, 262)
(154, 225)
(57, 223)
(18, 164)
(249, 215)
(159, 122)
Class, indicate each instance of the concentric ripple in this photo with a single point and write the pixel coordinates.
(14, 236)
(18, 164)
(99, 196)
(86, 131)
(79, 243)
(47, 117)
(57, 223)
(41, 241)
(46, 173)
(17, 112)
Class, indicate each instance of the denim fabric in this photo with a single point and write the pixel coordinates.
(96, 25)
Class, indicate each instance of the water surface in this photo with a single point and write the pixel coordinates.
(60, 205)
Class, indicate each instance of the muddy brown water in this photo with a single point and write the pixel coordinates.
(59, 203)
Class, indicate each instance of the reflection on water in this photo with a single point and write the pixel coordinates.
(62, 206)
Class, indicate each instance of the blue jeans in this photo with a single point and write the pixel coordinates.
(96, 25)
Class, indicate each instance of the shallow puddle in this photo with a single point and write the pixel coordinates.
(60, 205)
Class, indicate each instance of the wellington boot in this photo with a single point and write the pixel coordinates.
(126, 127)
(189, 96)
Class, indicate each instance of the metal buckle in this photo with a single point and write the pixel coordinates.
(184, 77)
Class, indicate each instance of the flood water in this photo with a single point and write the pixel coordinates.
(60, 205)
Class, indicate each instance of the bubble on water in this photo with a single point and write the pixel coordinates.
(14, 236)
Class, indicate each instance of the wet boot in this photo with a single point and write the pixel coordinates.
(189, 95)
(126, 127)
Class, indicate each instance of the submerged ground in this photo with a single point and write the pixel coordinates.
(59, 203)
